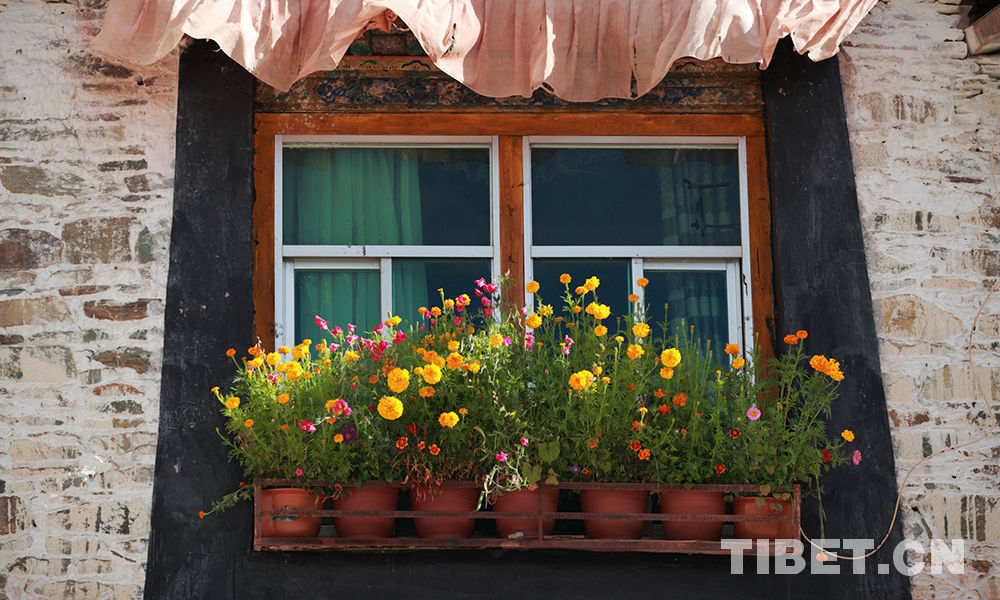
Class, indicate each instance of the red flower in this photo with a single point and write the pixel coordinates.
(412, 429)
(635, 445)
(663, 408)
(734, 433)
(720, 469)
(636, 426)
(827, 457)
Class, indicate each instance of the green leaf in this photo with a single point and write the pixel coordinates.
(552, 479)
(548, 451)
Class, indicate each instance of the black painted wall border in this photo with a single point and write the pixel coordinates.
(821, 282)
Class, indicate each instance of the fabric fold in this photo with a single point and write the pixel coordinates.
(580, 50)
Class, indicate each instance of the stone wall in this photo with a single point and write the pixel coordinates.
(86, 179)
(922, 116)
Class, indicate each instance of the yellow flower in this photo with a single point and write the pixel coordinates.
(282, 398)
(448, 419)
(592, 283)
(533, 321)
(640, 330)
(633, 298)
(671, 357)
(474, 366)
(299, 352)
(255, 363)
(619, 339)
(598, 370)
(455, 360)
(294, 371)
(395, 320)
(273, 358)
(634, 351)
(390, 408)
(545, 310)
(426, 391)
(532, 287)
(281, 367)
(605, 380)
(738, 362)
(463, 411)
(666, 372)
(435, 312)
(565, 278)
(642, 282)
(602, 311)
(398, 380)
(452, 346)
(581, 379)
(338, 438)
(351, 356)
(232, 403)
(449, 303)
(847, 434)
(643, 409)
(431, 374)
(495, 340)
(284, 350)
(600, 330)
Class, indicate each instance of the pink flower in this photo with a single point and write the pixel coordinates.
(321, 323)
(272, 377)
(529, 341)
(458, 320)
(565, 350)
(399, 337)
(490, 288)
(856, 459)
(479, 293)
(351, 339)
(307, 426)
(334, 347)
(432, 322)
(481, 282)
(486, 301)
(569, 341)
(351, 327)
(524, 441)
(524, 310)
(298, 472)
(336, 330)
(506, 341)
(753, 413)
(378, 328)
(488, 312)
(502, 457)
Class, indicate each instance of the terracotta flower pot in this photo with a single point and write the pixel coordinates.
(771, 507)
(290, 499)
(366, 497)
(692, 502)
(458, 499)
(613, 501)
(525, 500)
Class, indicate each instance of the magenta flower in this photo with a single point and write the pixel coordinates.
(486, 301)
(524, 310)
(524, 441)
(458, 320)
(321, 323)
(298, 472)
(334, 347)
(856, 459)
(307, 426)
(502, 457)
(399, 337)
(529, 341)
(351, 339)
(753, 413)
(565, 350)
(506, 341)
(569, 341)
(490, 288)
(336, 330)
(272, 377)
(481, 282)
(488, 312)
(351, 327)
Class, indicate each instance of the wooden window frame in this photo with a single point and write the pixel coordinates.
(512, 129)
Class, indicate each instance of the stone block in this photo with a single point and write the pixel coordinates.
(35, 450)
(116, 311)
(20, 179)
(97, 240)
(50, 364)
(910, 317)
(22, 249)
(133, 358)
(33, 311)
(12, 515)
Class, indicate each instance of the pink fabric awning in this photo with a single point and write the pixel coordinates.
(581, 50)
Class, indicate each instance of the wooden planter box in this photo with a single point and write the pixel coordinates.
(652, 540)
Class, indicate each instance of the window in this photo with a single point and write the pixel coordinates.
(361, 215)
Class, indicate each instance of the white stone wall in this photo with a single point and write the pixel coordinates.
(86, 180)
(922, 116)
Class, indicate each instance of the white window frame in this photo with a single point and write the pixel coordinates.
(288, 259)
(734, 260)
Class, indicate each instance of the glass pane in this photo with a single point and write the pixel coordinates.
(615, 276)
(693, 299)
(415, 283)
(340, 296)
(629, 197)
(392, 196)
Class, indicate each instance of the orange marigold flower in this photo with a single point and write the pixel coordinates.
(531, 287)
(435, 312)
(666, 372)
(580, 290)
(421, 444)
(231, 352)
(585, 471)
(634, 351)
(684, 431)
(463, 411)
(248, 423)
(252, 351)
(633, 298)
(738, 362)
(791, 339)
(732, 349)
(201, 514)
(644, 454)
(600, 330)
(720, 469)
(659, 393)
(635, 445)
(426, 391)
(680, 399)
(339, 438)
(434, 449)
(592, 442)
(671, 357)
(284, 426)
(565, 278)
(663, 408)
(642, 282)
(402, 442)
(232, 403)
(802, 334)
(640, 330)
(636, 426)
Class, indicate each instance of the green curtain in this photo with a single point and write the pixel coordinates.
(699, 193)
(697, 297)
(352, 196)
(338, 295)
